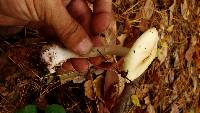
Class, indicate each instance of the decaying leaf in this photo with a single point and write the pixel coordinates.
(174, 109)
(189, 54)
(150, 108)
(191, 50)
(185, 10)
(171, 8)
(144, 25)
(135, 100)
(111, 88)
(93, 89)
(98, 86)
(170, 28)
(148, 9)
(71, 76)
(164, 22)
(121, 85)
(89, 92)
(162, 51)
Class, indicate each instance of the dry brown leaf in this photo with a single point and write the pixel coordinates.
(111, 79)
(185, 10)
(110, 88)
(150, 109)
(189, 54)
(162, 52)
(174, 109)
(102, 108)
(121, 85)
(89, 92)
(164, 22)
(148, 9)
(98, 86)
(170, 28)
(171, 8)
(147, 100)
(144, 25)
(71, 76)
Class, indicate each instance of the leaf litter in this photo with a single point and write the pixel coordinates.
(169, 85)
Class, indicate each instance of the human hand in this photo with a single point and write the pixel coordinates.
(72, 25)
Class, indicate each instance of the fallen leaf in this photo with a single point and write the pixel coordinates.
(98, 86)
(150, 109)
(144, 25)
(174, 109)
(71, 76)
(94, 89)
(170, 28)
(80, 64)
(148, 9)
(164, 22)
(135, 100)
(111, 79)
(189, 54)
(102, 108)
(65, 67)
(121, 85)
(95, 61)
(185, 10)
(162, 52)
(89, 92)
(111, 88)
(171, 8)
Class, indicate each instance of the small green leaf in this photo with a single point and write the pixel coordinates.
(55, 108)
(28, 109)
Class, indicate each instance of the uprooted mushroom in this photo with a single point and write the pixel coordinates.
(136, 61)
(106, 62)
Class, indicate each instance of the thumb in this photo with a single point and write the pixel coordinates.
(70, 32)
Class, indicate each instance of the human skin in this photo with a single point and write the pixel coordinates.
(72, 24)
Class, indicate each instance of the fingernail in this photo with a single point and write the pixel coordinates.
(84, 46)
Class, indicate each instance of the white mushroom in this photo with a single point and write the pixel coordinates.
(141, 54)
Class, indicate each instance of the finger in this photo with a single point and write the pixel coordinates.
(70, 32)
(102, 15)
(66, 2)
(97, 41)
(9, 21)
(79, 10)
